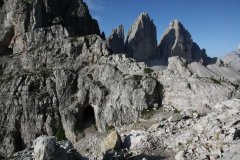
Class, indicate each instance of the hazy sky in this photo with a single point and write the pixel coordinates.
(213, 24)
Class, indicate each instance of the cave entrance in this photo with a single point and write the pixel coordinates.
(1, 3)
(89, 121)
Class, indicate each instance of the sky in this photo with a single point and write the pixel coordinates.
(213, 24)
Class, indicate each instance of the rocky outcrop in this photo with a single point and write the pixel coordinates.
(190, 137)
(182, 89)
(19, 17)
(141, 41)
(116, 40)
(63, 83)
(52, 86)
(46, 148)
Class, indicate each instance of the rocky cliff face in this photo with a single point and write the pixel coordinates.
(19, 18)
(48, 88)
(56, 82)
(116, 40)
(141, 41)
(62, 80)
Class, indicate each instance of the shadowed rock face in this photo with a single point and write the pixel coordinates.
(141, 41)
(72, 14)
(176, 41)
(20, 16)
(116, 40)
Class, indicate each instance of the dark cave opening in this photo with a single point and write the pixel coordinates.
(5, 44)
(236, 135)
(88, 121)
(1, 3)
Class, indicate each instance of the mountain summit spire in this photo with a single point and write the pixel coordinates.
(141, 41)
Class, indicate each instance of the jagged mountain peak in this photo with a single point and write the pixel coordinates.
(175, 23)
(141, 42)
(144, 15)
(116, 40)
(176, 41)
(119, 30)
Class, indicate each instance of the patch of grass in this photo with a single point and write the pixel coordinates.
(148, 70)
(60, 133)
(73, 39)
(137, 77)
(216, 81)
(175, 111)
(110, 128)
(147, 113)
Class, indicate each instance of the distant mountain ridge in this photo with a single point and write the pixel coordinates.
(141, 43)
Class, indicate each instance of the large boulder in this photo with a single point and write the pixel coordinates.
(141, 42)
(45, 148)
(116, 40)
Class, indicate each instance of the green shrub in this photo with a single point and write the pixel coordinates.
(216, 81)
(137, 77)
(148, 70)
(60, 134)
(147, 113)
(175, 111)
(110, 128)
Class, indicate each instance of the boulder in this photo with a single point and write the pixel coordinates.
(141, 42)
(45, 148)
(116, 40)
(112, 141)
